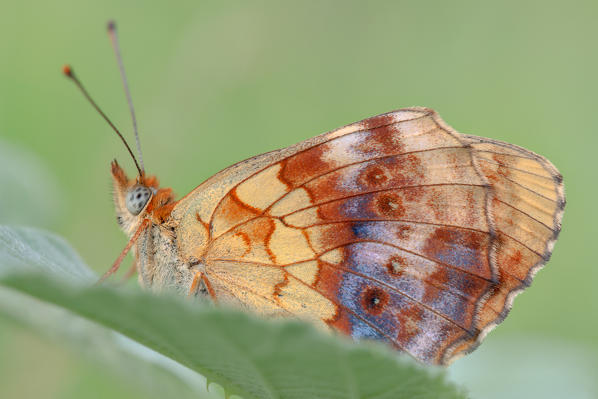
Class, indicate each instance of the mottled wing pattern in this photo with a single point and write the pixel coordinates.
(394, 228)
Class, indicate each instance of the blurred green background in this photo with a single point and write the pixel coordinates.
(217, 82)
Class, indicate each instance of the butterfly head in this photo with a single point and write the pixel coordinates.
(136, 199)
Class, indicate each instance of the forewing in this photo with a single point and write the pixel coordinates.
(194, 211)
(392, 228)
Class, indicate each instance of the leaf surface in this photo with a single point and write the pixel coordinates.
(249, 357)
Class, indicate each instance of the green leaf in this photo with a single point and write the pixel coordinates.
(26, 249)
(151, 373)
(247, 356)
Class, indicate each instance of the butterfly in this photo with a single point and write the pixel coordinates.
(395, 228)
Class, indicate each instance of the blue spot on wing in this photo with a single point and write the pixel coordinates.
(357, 207)
(360, 229)
(459, 255)
(350, 295)
(361, 330)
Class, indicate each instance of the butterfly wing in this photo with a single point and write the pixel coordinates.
(394, 228)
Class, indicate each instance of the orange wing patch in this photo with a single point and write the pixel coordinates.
(265, 240)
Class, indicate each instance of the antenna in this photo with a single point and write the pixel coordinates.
(68, 71)
(114, 39)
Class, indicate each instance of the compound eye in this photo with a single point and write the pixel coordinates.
(137, 197)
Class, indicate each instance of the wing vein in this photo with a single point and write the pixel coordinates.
(216, 276)
(526, 214)
(505, 153)
(358, 163)
(529, 189)
(513, 168)
(393, 220)
(382, 191)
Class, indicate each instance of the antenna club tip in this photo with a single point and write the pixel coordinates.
(111, 25)
(67, 70)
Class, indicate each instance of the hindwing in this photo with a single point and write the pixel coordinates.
(395, 228)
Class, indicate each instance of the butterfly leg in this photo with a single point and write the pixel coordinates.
(122, 255)
(201, 277)
(195, 283)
